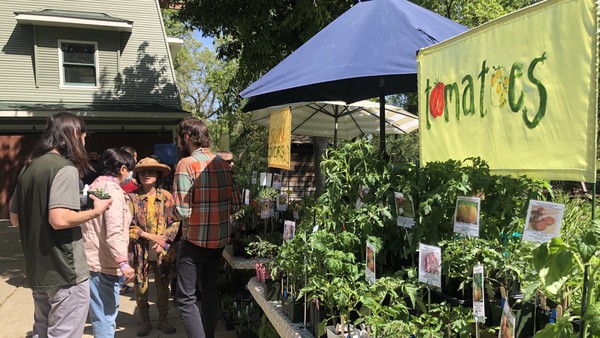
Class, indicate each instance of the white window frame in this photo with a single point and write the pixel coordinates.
(61, 68)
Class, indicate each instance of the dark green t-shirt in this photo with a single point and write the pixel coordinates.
(54, 258)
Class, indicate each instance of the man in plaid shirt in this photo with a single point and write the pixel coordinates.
(205, 197)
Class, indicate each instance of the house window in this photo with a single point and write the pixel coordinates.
(79, 63)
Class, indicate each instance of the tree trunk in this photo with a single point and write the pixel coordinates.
(319, 146)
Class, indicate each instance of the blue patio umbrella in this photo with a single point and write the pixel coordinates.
(369, 51)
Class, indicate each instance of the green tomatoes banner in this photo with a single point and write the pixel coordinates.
(519, 92)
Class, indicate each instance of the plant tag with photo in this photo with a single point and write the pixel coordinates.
(466, 216)
(289, 230)
(405, 210)
(265, 208)
(478, 294)
(430, 261)
(282, 202)
(277, 180)
(507, 323)
(543, 221)
(370, 259)
(362, 194)
(254, 177)
(263, 179)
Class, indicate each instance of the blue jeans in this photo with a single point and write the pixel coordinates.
(195, 264)
(104, 303)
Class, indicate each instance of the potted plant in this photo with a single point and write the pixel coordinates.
(289, 267)
(98, 193)
(248, 321)
(229, 310)
(264, 249)
(334, 276)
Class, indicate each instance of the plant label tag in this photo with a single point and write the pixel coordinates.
(478, 294)
(282, 202)
(543, 221)
(430, 261)
(507, 322)
(289, 230)
(263, 179)
(265, 206)
(405, 210)
(370, 259)
(277, 179)
(362, 194)
(246, 196)
(466, 216)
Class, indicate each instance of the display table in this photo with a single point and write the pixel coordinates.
(272, 309)
(240, 263)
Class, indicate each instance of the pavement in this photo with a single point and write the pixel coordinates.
(16, 303)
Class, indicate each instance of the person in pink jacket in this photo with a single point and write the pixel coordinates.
(106, 240)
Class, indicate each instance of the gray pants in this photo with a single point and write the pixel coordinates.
(61, 313)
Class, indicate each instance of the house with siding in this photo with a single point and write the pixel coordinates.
(108, 61)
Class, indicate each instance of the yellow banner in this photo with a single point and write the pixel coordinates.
(520, 92)
(280, 138)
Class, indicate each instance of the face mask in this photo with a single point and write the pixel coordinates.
(128, 179)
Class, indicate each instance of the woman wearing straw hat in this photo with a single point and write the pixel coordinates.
(151, 232)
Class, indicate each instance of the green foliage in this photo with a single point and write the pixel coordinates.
(267, 192)
(442, 320)
(266, 329)
(262, 248)
(384, 303)
(563, 328)
(503, 199)
(260, 34)
(560, 265)
(472, 13)
(290, 262)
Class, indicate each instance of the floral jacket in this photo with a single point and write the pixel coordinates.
(166, 226)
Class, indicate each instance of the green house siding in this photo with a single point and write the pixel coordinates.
(133, 67)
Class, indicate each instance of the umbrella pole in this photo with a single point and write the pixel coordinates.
(335, 109)
(381, 115)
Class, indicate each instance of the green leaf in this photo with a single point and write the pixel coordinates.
(588, 246)
(554, 262)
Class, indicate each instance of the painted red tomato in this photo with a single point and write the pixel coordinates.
(436, 100)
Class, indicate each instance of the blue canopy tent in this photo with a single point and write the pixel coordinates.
(369, 51)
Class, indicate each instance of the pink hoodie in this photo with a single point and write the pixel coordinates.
(106, 238)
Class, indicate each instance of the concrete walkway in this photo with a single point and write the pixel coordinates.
(16, 304)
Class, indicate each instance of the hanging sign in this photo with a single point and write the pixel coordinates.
(519, 92)
(280, 139)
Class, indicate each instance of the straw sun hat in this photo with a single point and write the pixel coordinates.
(148, 163)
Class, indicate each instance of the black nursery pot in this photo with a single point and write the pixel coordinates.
(294, 310)
(316, 316)
(90, 202)
(452, 295)
(523, 315)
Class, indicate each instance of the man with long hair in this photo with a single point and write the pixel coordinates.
(46, 207)
(205, 197)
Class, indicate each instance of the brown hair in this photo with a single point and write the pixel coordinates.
(63, 131)
(196, 130)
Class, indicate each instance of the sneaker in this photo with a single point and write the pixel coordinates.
(144, 329)
(166, 328)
